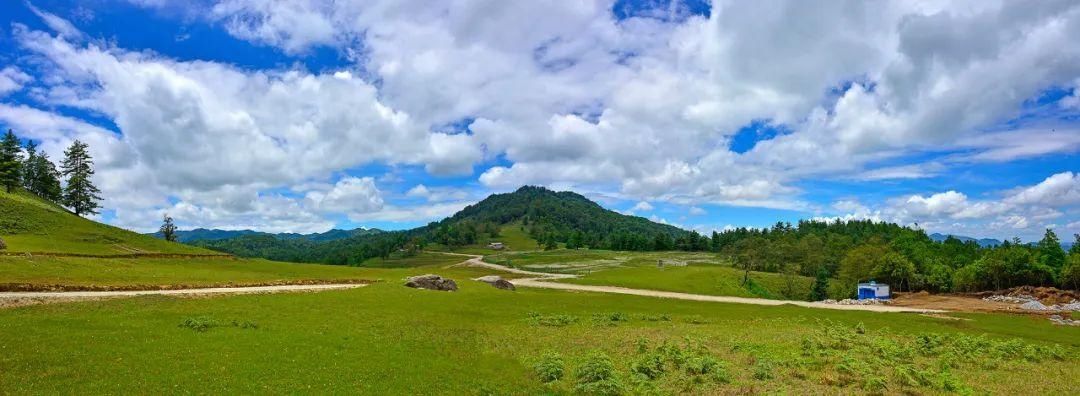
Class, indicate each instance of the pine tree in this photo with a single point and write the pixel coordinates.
(80, 194)
(168, 229)
(10, 161)
(1050, 252)
(28, 170)
(47, 179)
(820, 290)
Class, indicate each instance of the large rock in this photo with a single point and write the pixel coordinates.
(497, 281)
(2, 244)
(431, 282)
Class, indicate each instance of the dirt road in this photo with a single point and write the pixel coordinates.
(8, 299)
(544, 281)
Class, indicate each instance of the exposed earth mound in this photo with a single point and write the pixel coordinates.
(497, 281)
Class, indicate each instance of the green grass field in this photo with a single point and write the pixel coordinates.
(82, 271)
(698, 273)
(386, 338)
(419, 260)
(512, 235)
(29, 224)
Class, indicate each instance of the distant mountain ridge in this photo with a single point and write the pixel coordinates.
(984, 242)
(203, 234)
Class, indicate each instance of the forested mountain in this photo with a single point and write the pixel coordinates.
(848, 251)
(203, 234)
(549, 217)
(984, 242)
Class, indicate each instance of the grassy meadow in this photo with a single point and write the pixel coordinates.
(686, 272)
(30, 224)
(388, 339)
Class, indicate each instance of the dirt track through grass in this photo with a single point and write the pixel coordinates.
(545, 280)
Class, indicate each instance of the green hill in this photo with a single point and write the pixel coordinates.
(29, 224)
(518, 219)
(203, 234)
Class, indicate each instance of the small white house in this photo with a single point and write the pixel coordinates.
(873, 290)
(496, 245)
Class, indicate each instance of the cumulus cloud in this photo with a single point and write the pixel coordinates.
(12, 79)
(564, 94)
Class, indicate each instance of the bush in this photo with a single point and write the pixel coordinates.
(763, 369)
(597, 376)
(550, 367)
(538, 319)
(199, 324)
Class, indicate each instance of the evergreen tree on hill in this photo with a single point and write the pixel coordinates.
(1050, 252)
(40, 176)
(80, 194)
(10, 161)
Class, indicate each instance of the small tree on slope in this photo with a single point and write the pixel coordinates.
(168, 229)
(80, 194)
(10, 161)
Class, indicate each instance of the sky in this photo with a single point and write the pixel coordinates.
(957, 117)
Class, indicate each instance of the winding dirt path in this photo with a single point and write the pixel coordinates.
(544, 280)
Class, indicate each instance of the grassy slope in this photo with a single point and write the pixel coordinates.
(703, 274)
(385, 338)
(516, 240)
(419, 260)
(29, 224)
(163, 271)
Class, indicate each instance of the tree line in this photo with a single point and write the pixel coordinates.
(860, 250)
(27, 168)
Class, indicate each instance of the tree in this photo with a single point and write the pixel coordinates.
(550, 243)
(46, 182)
(10, 161)
(1050, 252)
(1075, 248)
(895, 269)
(39, 174)
(820, 290)
(80, 194)
(1070, 273)
(751, 254)
(168, 229)
(29, 173)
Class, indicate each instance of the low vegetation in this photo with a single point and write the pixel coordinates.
(385, 338)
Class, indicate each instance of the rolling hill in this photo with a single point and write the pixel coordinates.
(526, 215)
(203, 234)
(32, 225)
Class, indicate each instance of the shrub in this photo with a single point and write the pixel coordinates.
(597, 376)
(550, 367)
(199, 324)
(763, 369)
(650, 366)
(538, 319)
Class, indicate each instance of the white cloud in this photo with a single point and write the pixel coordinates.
(351, 195)
(1059, 189)
(641, 206)
(697, 211)
(12, 79)
(60, 25)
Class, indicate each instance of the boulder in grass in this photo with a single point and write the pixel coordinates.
(2, 244)
(431, 282)
(497, 281)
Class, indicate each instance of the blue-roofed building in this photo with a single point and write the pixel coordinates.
(873, 290)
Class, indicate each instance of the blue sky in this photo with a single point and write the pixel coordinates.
(305, 115)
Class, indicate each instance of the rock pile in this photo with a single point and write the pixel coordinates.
(1020, 299)
(497, 281)
(848, 301)
(431, 282)
(1057, 319)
